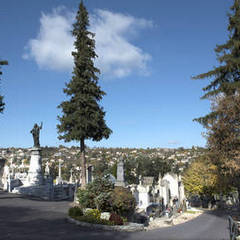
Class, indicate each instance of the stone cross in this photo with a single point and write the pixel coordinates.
(59, 178)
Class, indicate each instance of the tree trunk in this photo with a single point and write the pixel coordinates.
(83, 164)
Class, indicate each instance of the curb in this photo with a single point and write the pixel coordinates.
(132, 227)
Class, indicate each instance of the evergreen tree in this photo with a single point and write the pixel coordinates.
(224, 140)
(82, 117)
(226, 77)
(2, 104)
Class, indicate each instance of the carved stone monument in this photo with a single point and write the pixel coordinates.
(35, 133)
(120, 174)
(35, 184)
(35, 169)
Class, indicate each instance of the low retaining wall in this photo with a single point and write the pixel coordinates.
(131, 227)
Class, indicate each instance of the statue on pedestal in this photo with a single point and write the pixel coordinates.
(35, 133)
(35, 169)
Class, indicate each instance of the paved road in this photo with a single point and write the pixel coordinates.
(25, 219)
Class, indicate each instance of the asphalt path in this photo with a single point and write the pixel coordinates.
(31, 219)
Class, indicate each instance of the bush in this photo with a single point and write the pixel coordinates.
(85, 198)
(101, 194)
(116, 219)
(123, 202)
(90, 216)
(94, 213)
(96, 195)
(75, 212)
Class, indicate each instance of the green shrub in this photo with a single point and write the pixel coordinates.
(90, 216)
(116, 219)
(75, 212)
(123, 202)
(94, 213)
(101, 194)
(96, 195)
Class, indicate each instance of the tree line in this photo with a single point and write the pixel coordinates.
(219, 170)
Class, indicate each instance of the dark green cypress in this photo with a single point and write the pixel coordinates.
(225, 77)
(82, 117)
(2, 104)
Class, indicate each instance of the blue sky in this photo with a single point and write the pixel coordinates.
(148, 51)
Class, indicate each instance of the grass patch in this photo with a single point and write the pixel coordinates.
(190, 211)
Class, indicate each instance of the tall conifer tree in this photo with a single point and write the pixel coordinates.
(2, 104)
(225, 77)
(82, 117)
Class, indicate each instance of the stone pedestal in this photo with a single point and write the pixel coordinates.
(35, 169)
(59, 180)
(120, 174)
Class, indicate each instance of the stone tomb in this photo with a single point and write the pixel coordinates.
(167, 188)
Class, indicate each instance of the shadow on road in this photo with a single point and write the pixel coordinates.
(6, 195)
(26, 219)
(26, 223)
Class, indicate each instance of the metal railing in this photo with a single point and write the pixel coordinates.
(233, 228)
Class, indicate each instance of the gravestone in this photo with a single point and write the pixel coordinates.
(120, 174)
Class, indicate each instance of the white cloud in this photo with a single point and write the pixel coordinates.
(52, 47)
(54, 43)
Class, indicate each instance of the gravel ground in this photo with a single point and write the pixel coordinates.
(166, 222)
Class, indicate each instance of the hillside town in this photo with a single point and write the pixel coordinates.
(19, 158)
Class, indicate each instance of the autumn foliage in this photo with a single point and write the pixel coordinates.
(201, 177)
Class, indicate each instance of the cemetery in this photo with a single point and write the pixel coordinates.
(78, 189)
(144, 201)
(144, 206)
